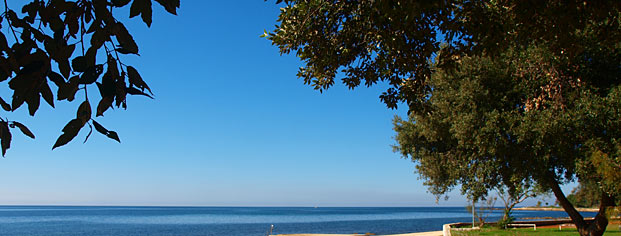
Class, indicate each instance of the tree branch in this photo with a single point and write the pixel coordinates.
(6, 10)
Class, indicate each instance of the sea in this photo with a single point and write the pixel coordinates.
(233, 221)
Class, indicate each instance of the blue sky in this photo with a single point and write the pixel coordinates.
(230, 125)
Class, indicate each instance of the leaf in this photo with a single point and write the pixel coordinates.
(17, 101)
(122, 50)
(62, 140)
(57, 79)
(107, 133)
(69, 132)
(5, 105)
(5, 136)
(170, 5)
(134, 91)
(142, 8)
(125, 39)
(147, 12)
(84, 112)
(136, 79)
(91, 55)
(33, 100)
(24, 129)
(65, 70)
(104, 104)
(135, 9)
(114, 135)
(121, 93)
(99, 37)
(100, 128)
(79, 64)
(46, 93)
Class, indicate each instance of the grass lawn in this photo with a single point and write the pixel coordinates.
(612, 230)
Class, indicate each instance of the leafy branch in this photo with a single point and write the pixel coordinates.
(44, 51)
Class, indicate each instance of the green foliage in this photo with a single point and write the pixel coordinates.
(366, 42)
(491, 118)
(503, 222)
(41, 47)
(510, 120)
(586, 194)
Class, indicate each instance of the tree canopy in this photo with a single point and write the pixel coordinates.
(499, 92)
(366, 42)
(74, 45)
(484, 129)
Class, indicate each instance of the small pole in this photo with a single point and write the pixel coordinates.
(271, 229)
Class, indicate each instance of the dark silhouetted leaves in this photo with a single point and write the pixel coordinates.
(123, 51)
(113, 135)
(24, 129)
(142, 8)
(107, 133)
(134, 91)
(84, 112)
(91, 74)
(33, 100)
(5, 105)
(136, 80)
(120, 3)
(79, 64)
(104, 104)
(69, 132)
(170, 5)
(56, 78)
(46, 93)
(5, 136)
(68, 90)
(125, 39)
(3, 43)
(47, 31)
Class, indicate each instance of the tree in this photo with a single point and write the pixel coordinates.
(486, 207)
(498, 122)
(499, 92)
(41, 46)
(520, 193)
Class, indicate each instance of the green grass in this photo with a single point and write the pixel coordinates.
(612, 230)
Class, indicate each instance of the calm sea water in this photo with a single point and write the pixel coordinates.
(230, 221)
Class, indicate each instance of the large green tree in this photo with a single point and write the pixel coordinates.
(75, 45)
(546, 111)
(485, 127)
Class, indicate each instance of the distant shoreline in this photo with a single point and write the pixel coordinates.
(553, 209)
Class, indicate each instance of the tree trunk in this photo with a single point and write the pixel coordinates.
(594, 228)
(598, 226)
(567, 206)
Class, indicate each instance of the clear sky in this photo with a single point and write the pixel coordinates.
(231, 125)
